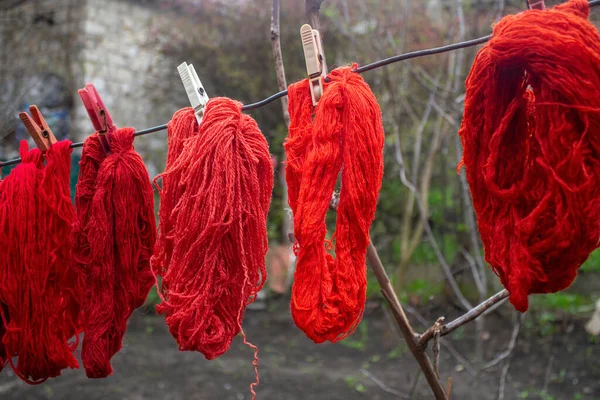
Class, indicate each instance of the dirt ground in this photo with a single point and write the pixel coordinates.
(372, 364)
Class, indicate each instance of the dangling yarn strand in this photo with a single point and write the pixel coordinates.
(120, 233)
(328, 295)
(182, 126)
(531, 138)
(225, 179)
(38, 287)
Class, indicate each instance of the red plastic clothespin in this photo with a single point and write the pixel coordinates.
(536, 5)
(98, 114)
(38, 128)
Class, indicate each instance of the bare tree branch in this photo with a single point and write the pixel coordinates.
(278, 58)
(503, 377)
(403, 323)
(382, 385)
(468, 317)
(451, 349)
(511, 344)
(508, 355)
(414, 385)
(312, 8)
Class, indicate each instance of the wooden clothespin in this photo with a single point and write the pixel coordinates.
(536, 5)
(98, 114)
(316, 67)
(38, 128)
(194, 89)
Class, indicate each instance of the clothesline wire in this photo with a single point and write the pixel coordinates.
(364, 68)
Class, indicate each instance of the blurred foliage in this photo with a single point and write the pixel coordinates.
(359, 339)
(593, 263)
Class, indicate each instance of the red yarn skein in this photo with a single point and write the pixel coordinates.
(3, 357)
(38, 287)
(118, 238)
(328, 295)
(182, 126)
(225, 179)
(531, 138)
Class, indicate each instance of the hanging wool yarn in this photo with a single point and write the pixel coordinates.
(182, 126)
(223, 179)
(531, 138)
(3, 357)
(115, 235)
(328, 295)
(38, 287)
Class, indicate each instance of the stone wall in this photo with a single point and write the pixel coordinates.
(38, 55)
(122, 58)
(114, 44)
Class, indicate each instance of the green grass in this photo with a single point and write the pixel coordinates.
(422, 288)
(561, 301)
(358, 340)
(593, 262)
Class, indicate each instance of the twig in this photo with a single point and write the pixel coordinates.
(414, 385)
(403, 323)
(503, 380)
(511, 344)
(460, 321)
(451, 349)
(473, 267)
(312, 8)
(436, 351)
(547, 374)
(424, 218)
(382, 385)
(282, 85)
(278, 58)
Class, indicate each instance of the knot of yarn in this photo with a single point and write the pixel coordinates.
(328, 295)
(531, 135)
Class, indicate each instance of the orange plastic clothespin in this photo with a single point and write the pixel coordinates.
(38, 128)
(98, 114)
(536, 5)
(316, 67)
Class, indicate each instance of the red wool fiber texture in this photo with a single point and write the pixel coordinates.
(217, 189)
(3, 357)
(531, 139)
(182, 126)
(346, 134)
(115, 235)
(38, 286)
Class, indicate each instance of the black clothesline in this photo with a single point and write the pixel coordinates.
(364, 68)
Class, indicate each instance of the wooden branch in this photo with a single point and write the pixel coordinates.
(278, 58)
(407, 331)
(312, 8)
(511, 344)
(287, 224)
(382, 385)
(460, 321)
